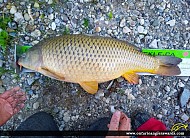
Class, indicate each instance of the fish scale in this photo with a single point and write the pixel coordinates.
(89, 60)
(93, 66)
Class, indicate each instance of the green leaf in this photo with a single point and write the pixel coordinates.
(110, 15)
(4, 34)
(86, 22)
(4, 22)
(2, 71)
(66, 31)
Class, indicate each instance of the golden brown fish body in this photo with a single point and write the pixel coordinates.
(89, 60)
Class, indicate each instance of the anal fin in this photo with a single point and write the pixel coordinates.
(50, 74)
(132, 77)
(91, 86)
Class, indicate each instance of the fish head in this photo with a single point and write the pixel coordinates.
(32, 59)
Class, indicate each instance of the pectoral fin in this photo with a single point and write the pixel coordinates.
(91, 87)
(132, 77)
(50, 74)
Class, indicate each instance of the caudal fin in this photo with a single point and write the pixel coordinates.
(168, 66)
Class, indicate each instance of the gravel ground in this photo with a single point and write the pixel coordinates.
(161, 24)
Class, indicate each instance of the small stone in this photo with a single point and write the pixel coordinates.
(188, 105)
(13, 10)
(177, 107)
(1, 63)
(51, 16)
(2, 89)
(112, 108)
(36, 33)
(57, 21)
(36, 5)
(184, 78)
(89, 114)
(109, 31)
(126, 30)
(66, 117)
(184, 117)
(122, 23)
(164, 111)
(141, 21)
(185, 22)
(99, 94)
(35, 42)
(159, 116)
(154, 44)
(171, 22)
(30, 81)
(18, 17)
(50, 1)
(120, 79)
(156, 22)
(140, 29)
(180, 84)
(98, 29)
(30, 92)
(64, 17)
(26, 17)
(69, 5)
(53, 26)
(167, 88)
(184, 98)
(36, 105)
(50, 10)
(56, 110)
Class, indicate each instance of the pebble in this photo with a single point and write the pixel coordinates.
(167, 88)
(120, 79)
(1, 63)
(154, 44)
(177, 107)
(164, 111)
(26, 17)
(140, 29)
(13, 10)
(98, 29)
(36, 105)
(126, 30)
(171, 22)
(30, 81)
(184, 98)
(156, 22)
(122, 22)
(53, 26)
(18, 16)
(159, 116)
(184, 117)
(185, 22)
(141, 21)
(64, 17)
(180, 84)
(50, 1)
(36, 33)
(66, 117)
(50, 10)
(51, 16)
(112, 108)
(99, 94)
(36, 5)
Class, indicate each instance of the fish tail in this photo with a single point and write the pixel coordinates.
(168, 66)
